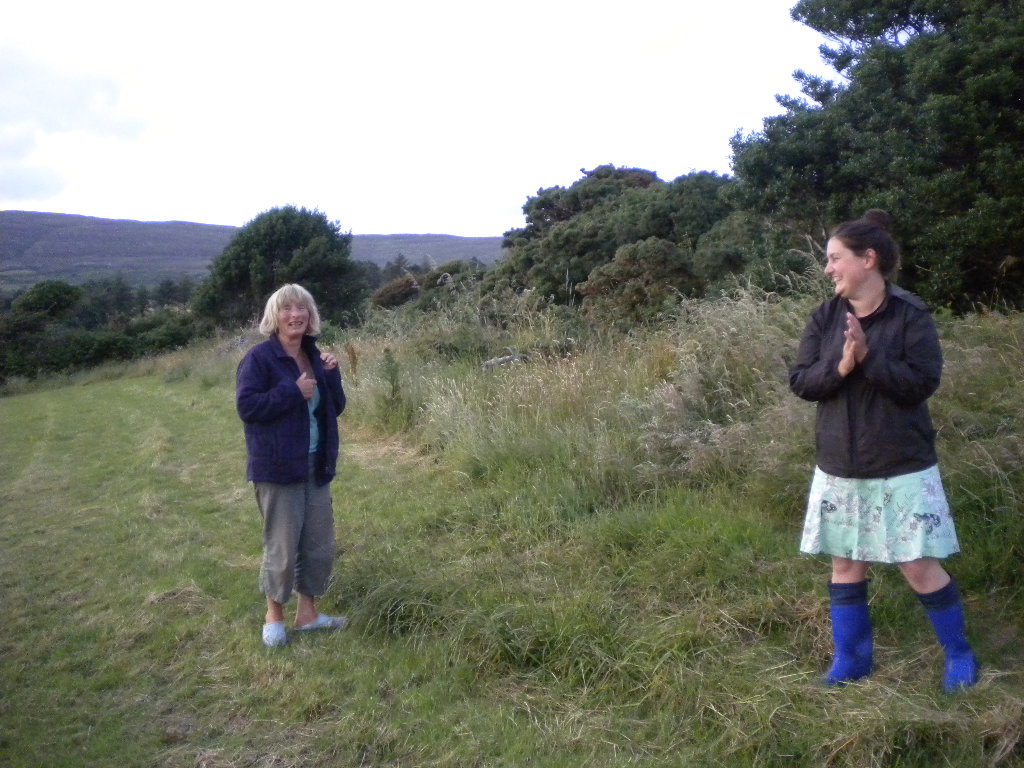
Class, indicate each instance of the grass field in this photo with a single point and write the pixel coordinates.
(586, 560)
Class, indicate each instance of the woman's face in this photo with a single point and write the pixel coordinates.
(292, 319)
(848, 271)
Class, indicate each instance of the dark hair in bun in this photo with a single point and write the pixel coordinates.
(872, 230)
(878, 217)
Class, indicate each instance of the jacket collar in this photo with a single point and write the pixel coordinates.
(896, 292)
(308, 345)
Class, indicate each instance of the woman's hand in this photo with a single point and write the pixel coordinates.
(855, 346)
(330, 361)
(306, 385)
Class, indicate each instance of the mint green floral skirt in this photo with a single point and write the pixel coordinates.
(891, 520)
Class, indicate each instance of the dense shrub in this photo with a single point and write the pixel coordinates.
(446, 284)
(396, 292)
(70, 349)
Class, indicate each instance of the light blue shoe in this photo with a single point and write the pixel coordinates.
(323, 621)
(275, 635)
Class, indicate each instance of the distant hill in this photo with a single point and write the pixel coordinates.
(48, 246)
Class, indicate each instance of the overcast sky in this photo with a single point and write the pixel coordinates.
(388, 116)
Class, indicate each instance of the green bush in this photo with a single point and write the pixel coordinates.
(71, 349)
(396, 292)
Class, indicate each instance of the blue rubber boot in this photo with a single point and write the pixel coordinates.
(851, 631)
(947, 614)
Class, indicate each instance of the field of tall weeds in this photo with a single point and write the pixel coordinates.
(561, 545)
(636, 506)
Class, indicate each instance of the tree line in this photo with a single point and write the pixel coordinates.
(55, 326)
(925, 120)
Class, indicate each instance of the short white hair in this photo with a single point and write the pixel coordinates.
(290, 293)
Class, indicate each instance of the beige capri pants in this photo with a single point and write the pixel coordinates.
(298, 537)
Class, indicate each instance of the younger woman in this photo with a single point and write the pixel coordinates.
(870, 359)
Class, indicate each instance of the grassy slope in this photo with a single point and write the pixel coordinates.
(505, 613)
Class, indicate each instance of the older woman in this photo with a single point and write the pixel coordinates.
(289, 396)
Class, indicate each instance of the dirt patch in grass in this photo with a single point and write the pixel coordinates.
(373, 452)
(189, 598)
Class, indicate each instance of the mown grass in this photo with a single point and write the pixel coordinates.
(586, 559)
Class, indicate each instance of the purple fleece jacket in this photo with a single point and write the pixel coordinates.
(276, 415)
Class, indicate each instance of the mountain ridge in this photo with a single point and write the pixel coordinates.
(62, 246)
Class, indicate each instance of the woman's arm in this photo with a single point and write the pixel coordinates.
(332, 381)
(815, 376)
(909, 374)
(259, 396)
(335, 390)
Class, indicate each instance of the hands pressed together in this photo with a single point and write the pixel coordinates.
(855, 346)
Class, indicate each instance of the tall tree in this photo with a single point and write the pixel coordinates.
(50, 299)
(283, 245)
(929, 125)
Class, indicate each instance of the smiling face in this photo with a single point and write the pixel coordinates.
(292, 320)
(849, 272)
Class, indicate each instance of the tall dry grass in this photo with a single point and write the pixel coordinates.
(583, 558)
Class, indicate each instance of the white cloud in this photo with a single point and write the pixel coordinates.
(40, 103)
(392, 116)
(24, 181)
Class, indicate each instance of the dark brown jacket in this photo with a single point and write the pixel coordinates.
(875, 422)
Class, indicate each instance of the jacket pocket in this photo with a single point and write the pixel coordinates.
(263, 443)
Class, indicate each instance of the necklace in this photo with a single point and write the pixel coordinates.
(881, 303)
